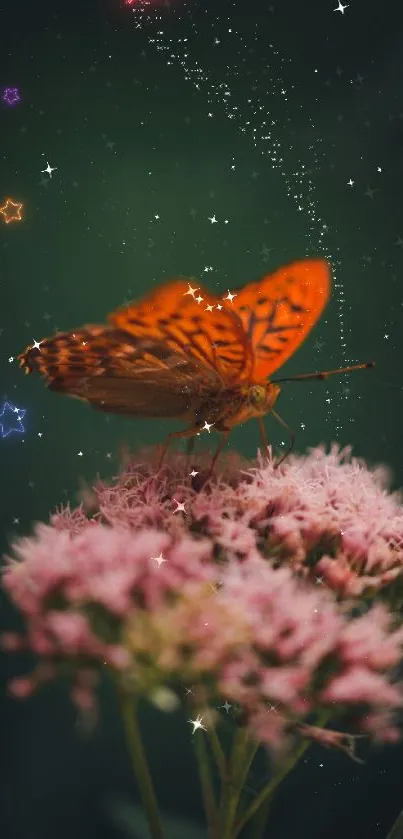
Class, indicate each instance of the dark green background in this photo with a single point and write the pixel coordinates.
(89, 77)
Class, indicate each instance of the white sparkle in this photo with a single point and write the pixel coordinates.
(197, 723)
(191, 291)
(49, 169)
(230, 297)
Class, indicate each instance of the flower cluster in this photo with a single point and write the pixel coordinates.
(246, 589)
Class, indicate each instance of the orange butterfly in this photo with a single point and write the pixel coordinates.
(182, 353)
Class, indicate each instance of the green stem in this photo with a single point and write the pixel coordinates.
(240, 761)
(139, 761)
(268, 791)
(260, 820)
(397, 829)
(218, 754)
(264, 797)
(210, 806)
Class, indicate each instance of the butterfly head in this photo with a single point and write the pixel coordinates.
(262, 398)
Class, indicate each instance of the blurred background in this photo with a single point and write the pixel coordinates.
(219, 141)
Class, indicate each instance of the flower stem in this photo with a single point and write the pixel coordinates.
(139, 761)
(268, 791)
(218, 754)
(240, 761)
(397, 829)
(264, 797)
(210, 806)
(260, 820)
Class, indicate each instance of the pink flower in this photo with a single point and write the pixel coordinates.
(235, 595)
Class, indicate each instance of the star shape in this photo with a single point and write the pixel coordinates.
(180, 506)
(19, 413)
(49, 169)
(212, 219)
(11, 96)
(197, 723)
(159, 559)
(230, 297)
(340, 7)
(207, 426)
(11, 210)
(191, 291)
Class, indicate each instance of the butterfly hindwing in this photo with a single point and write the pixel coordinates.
(115, 372)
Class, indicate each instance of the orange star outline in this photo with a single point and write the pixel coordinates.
(11, 211)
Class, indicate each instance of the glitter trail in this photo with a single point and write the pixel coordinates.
(252, 92)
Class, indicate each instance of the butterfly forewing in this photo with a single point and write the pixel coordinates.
(198, 325)
(278, 311)
(116, 372)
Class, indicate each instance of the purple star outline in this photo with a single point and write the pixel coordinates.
(11, 95)
(18, 413)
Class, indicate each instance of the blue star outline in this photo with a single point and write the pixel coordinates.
(14, 423)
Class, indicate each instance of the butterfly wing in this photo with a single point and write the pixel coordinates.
(113, 371)
(278, 311)
(197, 325)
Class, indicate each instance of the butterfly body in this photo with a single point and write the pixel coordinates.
(181, 352)
(234, 406)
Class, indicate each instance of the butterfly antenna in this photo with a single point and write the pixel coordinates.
(325, 373)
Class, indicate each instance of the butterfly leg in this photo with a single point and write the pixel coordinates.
(176, 435)
(263, 436)
(224, 438)
(291, 433)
